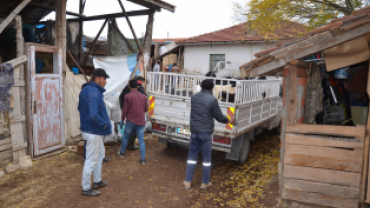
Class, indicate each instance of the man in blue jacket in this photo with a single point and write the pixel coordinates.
(95, 124)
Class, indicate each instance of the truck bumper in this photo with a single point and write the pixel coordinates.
(184, 140)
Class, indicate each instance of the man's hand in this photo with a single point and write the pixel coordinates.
(121, 124)
(231, 121)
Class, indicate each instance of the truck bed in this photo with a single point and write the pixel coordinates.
(250, 102)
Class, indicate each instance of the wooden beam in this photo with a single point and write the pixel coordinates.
(346, 131)
(293, 101)
(282, 133)
(122, 36)
(81, 33)
(147, 5)
(93, 43)
(61, 29)
(137, 66)
(53, 9)
(130, 25)
(21, 150)
(317, 43)
(327, 176)
(319, 199)
(17, 61)
(78, 66)
(11, 16)
(148, 43)
(267, 67)
(366, 153)
(114, 15)
(327, 189)
(162, 5)
(324, 157)
(323, 141)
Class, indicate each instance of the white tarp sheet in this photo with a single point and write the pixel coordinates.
(119, 68)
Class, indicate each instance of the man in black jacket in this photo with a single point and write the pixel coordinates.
(204, 108)
(126, 90)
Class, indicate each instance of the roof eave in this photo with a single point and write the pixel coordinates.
(224, 42)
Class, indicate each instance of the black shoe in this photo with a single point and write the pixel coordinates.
(143, 162)
(121, 155)
(132, 148)
(100, 184)
(90, 192)
(106, 160)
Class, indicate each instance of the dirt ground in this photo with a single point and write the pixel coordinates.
(56, 181)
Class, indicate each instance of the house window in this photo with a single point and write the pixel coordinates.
(215, 58)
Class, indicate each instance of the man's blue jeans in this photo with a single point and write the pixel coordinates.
(198, 142)
(140, 135)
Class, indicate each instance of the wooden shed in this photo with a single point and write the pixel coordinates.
(32, 102)
(324, 158)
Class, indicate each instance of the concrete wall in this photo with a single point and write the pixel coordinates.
(197, 58)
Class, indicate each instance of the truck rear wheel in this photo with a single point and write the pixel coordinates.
(245, 147)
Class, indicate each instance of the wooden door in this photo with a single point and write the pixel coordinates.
(45, 94)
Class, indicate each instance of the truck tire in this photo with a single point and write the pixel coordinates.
(245, 147)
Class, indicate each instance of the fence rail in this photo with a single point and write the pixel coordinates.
(225, 90)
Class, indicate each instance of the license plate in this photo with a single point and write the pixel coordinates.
(183, 131)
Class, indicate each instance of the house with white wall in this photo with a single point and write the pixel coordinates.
(201, 53)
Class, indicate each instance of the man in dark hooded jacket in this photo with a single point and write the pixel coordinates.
(126, 90)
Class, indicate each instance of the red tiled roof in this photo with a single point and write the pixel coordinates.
(168, 39)
(239, 33)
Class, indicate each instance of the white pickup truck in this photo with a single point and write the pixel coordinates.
(251, 103)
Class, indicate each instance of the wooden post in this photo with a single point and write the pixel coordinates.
(130, 25)
(155, 55)
(148, 44)
(292, 118)
(11, 16)
(289, 115)
(93, 43)
(366, 155)
(61, 29)
(81, 33)
(136, 67)
(17, 119)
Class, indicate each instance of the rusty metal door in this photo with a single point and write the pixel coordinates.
(46, 98)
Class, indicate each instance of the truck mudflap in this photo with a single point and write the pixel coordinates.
(235, 148)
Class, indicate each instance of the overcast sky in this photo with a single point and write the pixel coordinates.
(191, 17)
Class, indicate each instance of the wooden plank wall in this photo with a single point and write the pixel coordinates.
(12, 123)
(322, 169)
(6, 150)
(18, 113)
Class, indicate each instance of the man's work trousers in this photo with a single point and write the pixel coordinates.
(198, 142)
(95, 153)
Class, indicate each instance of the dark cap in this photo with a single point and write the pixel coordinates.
(140, 78)
(100, 73)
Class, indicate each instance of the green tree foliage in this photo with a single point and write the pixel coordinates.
(269, 16)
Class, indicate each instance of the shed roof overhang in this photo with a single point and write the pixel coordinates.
(340, 31)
